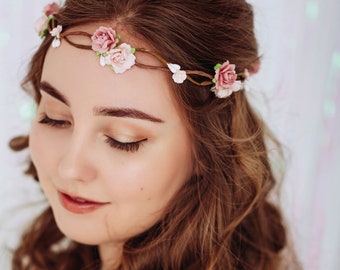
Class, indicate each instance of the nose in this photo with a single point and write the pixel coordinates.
(77, 164)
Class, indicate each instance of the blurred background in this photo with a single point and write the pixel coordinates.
(297, 91)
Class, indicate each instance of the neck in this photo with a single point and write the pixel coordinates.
(110, 255)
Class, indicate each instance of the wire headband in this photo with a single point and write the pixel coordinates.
(121, 56)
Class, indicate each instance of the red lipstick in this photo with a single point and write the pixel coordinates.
(78, 205)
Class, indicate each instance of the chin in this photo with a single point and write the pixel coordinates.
(78, 230)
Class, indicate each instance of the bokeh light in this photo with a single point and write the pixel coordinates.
(312, 10)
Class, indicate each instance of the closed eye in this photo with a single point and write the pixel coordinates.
(44, 119)
(125, 146)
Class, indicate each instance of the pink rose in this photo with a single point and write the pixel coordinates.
(51, 9)
(225, 80)
(255, 68)
(41, 25)
(225, 76)
(120, 58)
(104, 39)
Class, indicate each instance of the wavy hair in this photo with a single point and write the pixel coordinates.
(222, 218)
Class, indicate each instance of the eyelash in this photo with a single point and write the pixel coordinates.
(127, 146)
(53, 122)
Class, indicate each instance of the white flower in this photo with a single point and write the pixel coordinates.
(56, 31)
(222, 93)
(179, 76)
(56, 42)
(238, 85)
(174, 67)
(225, 92)
(102, 60)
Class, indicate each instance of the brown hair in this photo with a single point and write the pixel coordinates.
(222, 218)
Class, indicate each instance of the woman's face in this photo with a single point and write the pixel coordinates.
(110, 149)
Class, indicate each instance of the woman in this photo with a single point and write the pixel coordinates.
(145, 144)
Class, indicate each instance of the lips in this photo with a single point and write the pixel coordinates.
(79, 205)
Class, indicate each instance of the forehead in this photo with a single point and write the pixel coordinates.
(78, 75)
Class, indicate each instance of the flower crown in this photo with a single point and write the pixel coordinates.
(121, 56)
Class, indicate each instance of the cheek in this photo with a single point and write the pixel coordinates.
(35, 145)
(155, 176)
(42, 151)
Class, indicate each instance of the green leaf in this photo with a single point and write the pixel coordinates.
(133, 50)
(217, 66)
(44, 33)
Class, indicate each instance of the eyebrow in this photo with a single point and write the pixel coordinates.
(126, 112)
(102, 111)
(49, 89)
